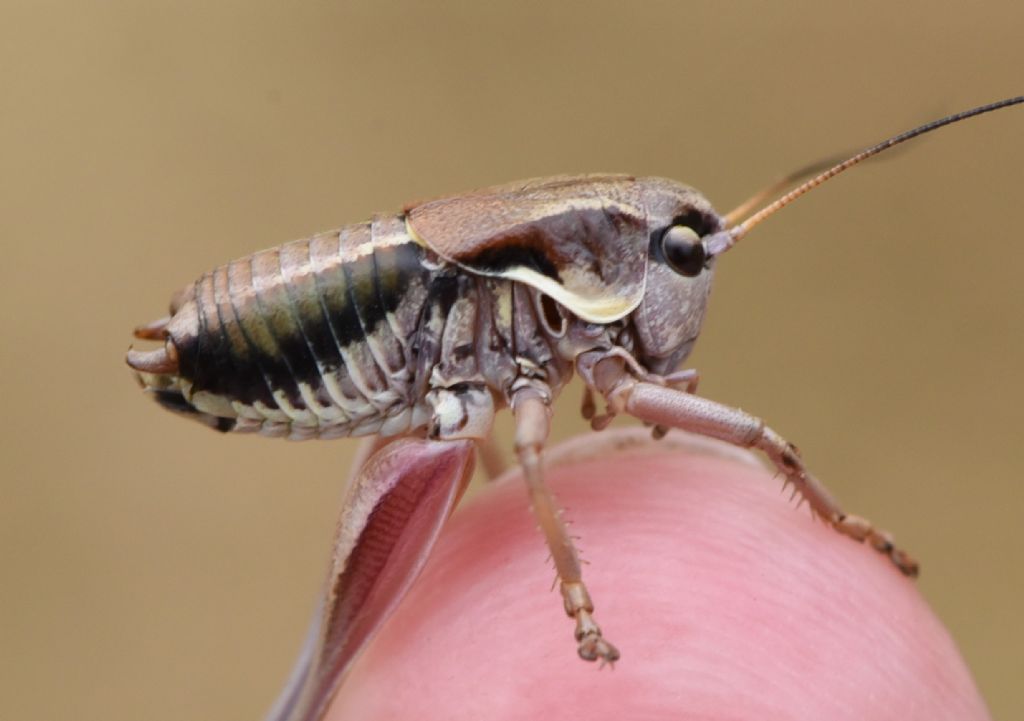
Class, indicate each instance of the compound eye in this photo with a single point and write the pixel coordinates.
(683, 250)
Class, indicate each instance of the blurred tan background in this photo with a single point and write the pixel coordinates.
(153, 569)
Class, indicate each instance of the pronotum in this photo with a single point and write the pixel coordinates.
(418, 327)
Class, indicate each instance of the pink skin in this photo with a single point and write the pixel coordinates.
(725, 602)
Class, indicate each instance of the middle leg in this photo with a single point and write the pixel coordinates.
(532, 416)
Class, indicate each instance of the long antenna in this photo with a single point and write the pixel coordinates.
(787, 181)
(723, 240)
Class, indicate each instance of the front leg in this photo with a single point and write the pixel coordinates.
(532, 415)
(668, 407)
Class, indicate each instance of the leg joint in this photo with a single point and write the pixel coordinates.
(576, 598)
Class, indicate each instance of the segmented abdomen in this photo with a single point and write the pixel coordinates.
(312, 338)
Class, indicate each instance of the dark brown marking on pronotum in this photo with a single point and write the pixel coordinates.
(587, 236)
(556, 244)
(525, 249)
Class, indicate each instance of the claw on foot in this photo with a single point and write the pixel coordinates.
(595, 648)
(592, 645)
(860, 529)
(907, 565)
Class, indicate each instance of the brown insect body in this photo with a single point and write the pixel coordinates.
(428, 318)
(432, 320)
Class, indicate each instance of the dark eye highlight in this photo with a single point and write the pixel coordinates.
(683, 250)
